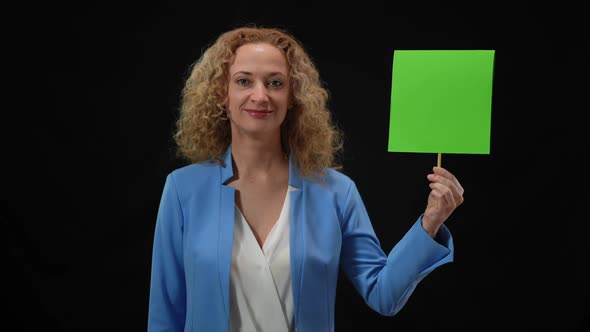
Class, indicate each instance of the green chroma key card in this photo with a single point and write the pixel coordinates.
(441, 101)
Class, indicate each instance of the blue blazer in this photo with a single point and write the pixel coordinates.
(329, 229)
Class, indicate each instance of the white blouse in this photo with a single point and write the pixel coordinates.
(260, 280)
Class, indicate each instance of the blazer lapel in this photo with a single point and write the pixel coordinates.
(226, 228)
(296, 219)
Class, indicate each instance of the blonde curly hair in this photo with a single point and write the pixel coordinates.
(308, 133)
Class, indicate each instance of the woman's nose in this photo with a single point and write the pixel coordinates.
(259, 93)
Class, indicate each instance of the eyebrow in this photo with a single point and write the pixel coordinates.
(274, 73)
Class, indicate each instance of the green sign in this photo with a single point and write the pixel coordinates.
(441, 101)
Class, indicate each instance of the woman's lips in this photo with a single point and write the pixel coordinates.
(258, 113)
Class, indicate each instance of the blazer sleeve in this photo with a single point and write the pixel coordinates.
(167, 300)
(386, 281)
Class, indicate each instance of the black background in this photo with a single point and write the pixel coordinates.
(94, 92)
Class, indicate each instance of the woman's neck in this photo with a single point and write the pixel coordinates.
(257, 158)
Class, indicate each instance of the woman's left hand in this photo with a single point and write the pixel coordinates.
(446, 194)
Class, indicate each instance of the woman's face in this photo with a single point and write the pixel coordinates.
(258, 90)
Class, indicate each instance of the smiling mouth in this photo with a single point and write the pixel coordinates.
(258, 113)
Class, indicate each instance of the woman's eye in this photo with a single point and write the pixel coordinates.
(243, 81)
(275, 83)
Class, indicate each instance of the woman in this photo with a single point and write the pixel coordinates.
(251, 235)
